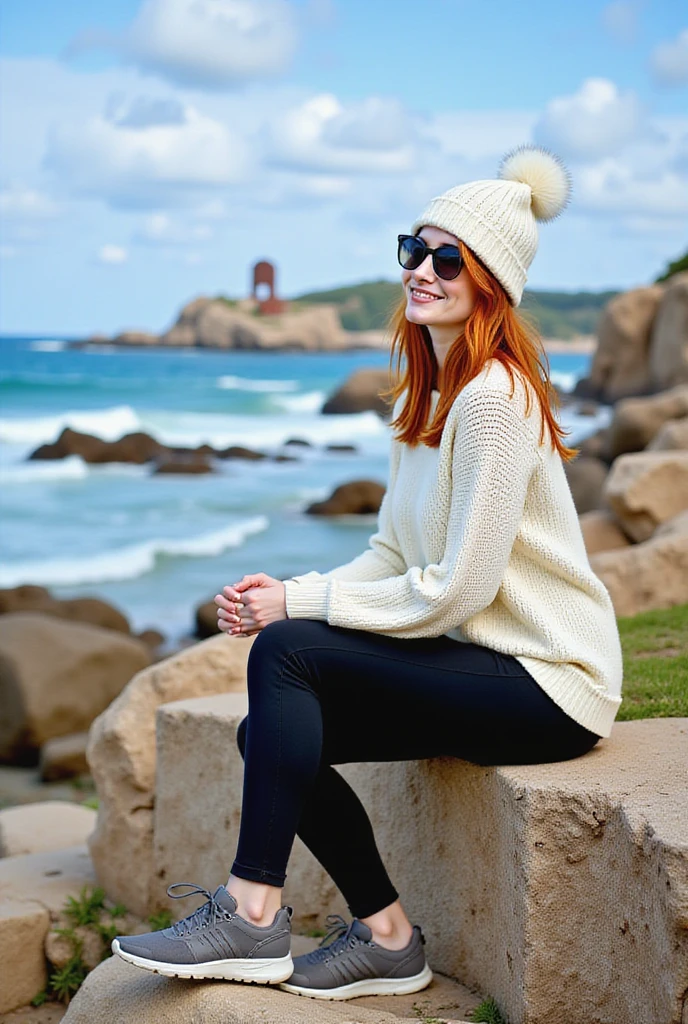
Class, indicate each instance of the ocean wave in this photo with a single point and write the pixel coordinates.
(310, 401)
(229, 383)
(129, 562)
(71, 468)
(108, 424)
(48, 345)
(564, 379)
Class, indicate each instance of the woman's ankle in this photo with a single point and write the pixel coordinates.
(391, 927)
(256, 902)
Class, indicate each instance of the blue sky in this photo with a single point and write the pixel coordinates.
(152, 150)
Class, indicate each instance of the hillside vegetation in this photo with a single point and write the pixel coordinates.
(366, 306)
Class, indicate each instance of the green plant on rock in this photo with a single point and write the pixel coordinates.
(87, 908)
(487, 1013)
(66, 981)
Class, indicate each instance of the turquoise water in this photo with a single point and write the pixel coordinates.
(156, 546)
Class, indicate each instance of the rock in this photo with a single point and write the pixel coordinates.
(595, 446)
(139, 339)
(360, 497)
(92, 610)
(152, 638)
(23, 926)
(191, 464)
(33, 890)
(646, 576)
(677, 525)
(646, 488)
(669, 343)
(35, 828)
(121, 754)
(586, 476)
(55, 677)
(520, 858)
(285, 458)
(237, 452)
(137, 448)
(59, 948)
(119, 993)
(636, 421)
(206, 620)
(298, 442)
(340, 448)
(620, 364)
(587, 408)
(47, 1013)
(360, 393)
(601, 532)
(64, 757)
(672, 437)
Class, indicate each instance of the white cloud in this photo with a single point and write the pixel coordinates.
(160, 229)
(372, 136)
(145, 166)
(669, 61)
(19, 202)
(212, 44)
(595, 122)
(478, 135)
(113, 255)
(613, 187)
(620, 19)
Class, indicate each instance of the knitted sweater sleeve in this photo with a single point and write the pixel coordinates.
(493, 456)
(382, 558)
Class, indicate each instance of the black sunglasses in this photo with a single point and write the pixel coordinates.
(446, 259)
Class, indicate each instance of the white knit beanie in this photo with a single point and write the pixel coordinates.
(497, 218)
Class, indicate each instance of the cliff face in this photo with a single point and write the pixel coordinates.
(214, 323)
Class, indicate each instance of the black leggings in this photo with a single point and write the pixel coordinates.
(321, 695)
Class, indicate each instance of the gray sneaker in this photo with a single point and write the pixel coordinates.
(353, 965)
(214, 942)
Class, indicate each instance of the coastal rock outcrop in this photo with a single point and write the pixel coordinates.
(137, 448)
(643, 343)
(56, 677)
(644, 489)
(90, 610)
(49, 825)
(359, 393)
(360, 497)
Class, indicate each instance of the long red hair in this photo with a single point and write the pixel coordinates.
(494, 330)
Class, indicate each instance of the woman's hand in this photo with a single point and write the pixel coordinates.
(250, 605)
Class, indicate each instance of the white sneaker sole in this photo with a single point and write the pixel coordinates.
(366, 987)
(263, 972)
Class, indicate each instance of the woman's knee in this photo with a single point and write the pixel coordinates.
(241, 735)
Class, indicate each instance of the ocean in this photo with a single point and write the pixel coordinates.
(157, 546)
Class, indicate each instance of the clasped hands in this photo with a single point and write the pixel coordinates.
(251, 604)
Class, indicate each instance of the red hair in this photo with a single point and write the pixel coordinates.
(494, 330)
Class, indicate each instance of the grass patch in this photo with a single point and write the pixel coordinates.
(487, 1013)
(655, 653)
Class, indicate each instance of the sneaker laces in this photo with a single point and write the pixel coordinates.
(340, 932)
(209, 913)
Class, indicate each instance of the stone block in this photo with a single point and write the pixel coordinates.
(64, 757)
(23, 967)
(644, 489)
(559, 889)
(35, 828)
(121, 754)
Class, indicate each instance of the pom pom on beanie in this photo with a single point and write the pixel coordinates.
(497, 218)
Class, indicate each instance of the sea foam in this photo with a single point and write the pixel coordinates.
(229, 383)
(129, 562)
(108, 424)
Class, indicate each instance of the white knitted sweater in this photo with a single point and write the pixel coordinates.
(479, 540)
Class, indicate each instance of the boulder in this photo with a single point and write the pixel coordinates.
(650, 575)
(586, 476)
(360, 497)
(138, 339)
(206, 620)
(193, 464)
(121, 754)
(646, 488)
(152, 638)
(521, 859)
(33, 890)
(601, 532)
(669, 342)
(39, 827)
(672, 437)
(360, 393)
(620, 364)
(91, 610)
(137, 448)
(56, 676)
(594, 446)
(64, 757)
(636, 421)
(238, 452)
(119, 993)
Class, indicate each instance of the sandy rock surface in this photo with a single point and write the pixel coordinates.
(39, 827)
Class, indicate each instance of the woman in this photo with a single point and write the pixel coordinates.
(472, 626)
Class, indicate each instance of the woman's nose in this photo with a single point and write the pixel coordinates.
(426, 271)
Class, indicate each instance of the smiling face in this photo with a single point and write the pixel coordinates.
(441, 306)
